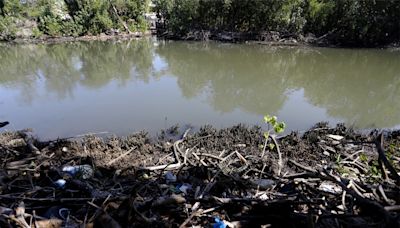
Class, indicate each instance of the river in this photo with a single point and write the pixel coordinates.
(67, 89)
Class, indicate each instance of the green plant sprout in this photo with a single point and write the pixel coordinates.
(277, 127)
(274, 128)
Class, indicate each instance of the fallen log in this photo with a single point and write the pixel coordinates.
(3, 124)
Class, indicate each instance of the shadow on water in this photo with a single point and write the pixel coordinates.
(359, 87)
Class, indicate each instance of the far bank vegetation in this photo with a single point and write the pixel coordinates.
(339, 22)
(34, 18)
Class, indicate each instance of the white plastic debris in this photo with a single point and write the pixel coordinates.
(340, 207)
(57, 212)
(170, 177)
(335, 137)
(63, 213)
(65, 149)
(264, 197)
(330, 187)
(60, 183)
(185, 187)
(82, 171)
(263, 183)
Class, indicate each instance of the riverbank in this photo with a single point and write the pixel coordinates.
(266, 38)
(328, 177)
(223, 38)
(272, 38)
(269, 38)
(61, 39)
(345, 24)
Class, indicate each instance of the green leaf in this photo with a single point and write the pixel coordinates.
(267, 118)
(271, 146)
(270, 119)
(273, 121)
(266, 135)
(280, 127)
(338, 159)
(363, 157)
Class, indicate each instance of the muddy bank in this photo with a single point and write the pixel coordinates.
(330, 177)
(271, 38)
(101, 37)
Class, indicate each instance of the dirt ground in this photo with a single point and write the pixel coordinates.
(327, 177)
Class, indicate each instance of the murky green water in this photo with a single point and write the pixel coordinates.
(121, 87)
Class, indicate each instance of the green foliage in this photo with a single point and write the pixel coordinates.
(93, 16)
(164, 8)
(317, 15)
(272, 121)
(347, 22)
(363, 157)
(71, 28)
(74, 17)
(183, 15)
(131, 9)
(97, 16)
(36, 33)
(39, 8)
(374, 172)
(355, 21)
(351, 22)
(101, 22)
(8, 28)
(271, 146)
(277, 127)
(50, 25)
(234, 15)
(13, 7)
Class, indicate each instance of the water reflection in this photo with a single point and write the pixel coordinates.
(239, 82)
(357, 86)
(62, 67)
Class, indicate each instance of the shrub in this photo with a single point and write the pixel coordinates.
(8, 28)
(13, 7)
(50, 25)
(93, 16)
(36, 33)
(87, 16)
(100, 23)
(71, 28)
(318, 14)
(351, 22)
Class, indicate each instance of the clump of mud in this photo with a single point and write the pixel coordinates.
(326, 177)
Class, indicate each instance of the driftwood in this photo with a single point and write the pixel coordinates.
(3, 124)
(120, 20)
(207, 182)
(121, 156)
(382, 157)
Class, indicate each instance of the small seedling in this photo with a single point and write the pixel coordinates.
(275, 128)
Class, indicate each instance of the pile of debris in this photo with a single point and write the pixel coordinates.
(326, 177)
